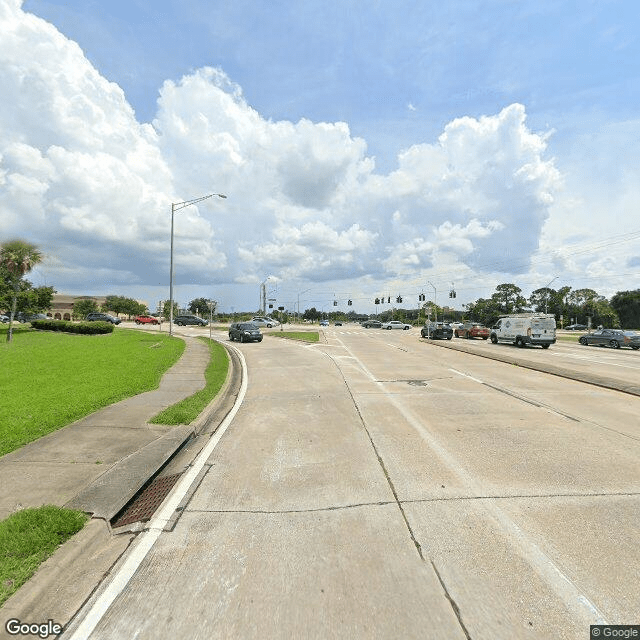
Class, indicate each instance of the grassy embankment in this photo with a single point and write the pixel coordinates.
(49, 380)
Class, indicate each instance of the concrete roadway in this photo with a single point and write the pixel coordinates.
(379, 486)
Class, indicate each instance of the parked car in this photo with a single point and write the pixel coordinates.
(371, 324)
(437, 330)
(395, 324)
(102, 317)
(324, 323)
(338, 323)
(472, 330)
(186, 319)
(576, 327)
(146, 320)
(245, 332)
(614, 338)
(262, 321)
(28, 317)
(4, 318)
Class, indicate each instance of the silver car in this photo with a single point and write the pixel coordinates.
(614, 338)
(395, 324)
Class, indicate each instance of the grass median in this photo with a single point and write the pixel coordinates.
(28, 538)
(49, 380)
(305, 336)
(190, 408)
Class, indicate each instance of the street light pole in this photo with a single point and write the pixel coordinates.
(435, 301)
(546, 296)
(176, 206)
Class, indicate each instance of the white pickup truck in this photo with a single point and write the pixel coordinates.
(522, 329)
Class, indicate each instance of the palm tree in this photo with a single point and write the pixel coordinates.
(17, 257)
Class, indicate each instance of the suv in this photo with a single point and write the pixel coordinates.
(244, 332)
(437, 330)
(103, 317)
(182, 320)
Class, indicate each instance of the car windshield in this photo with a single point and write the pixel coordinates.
(248, 325)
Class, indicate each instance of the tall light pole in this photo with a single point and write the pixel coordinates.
(176, 206)
(299, 294)
(546, 295)
(435, 300)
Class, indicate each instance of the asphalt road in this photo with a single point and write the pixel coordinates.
(379, 486)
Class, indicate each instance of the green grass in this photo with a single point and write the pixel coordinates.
(28, 538)
(190, 408)
(306, 336)
(49, 380)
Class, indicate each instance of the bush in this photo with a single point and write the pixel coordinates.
(86, 328)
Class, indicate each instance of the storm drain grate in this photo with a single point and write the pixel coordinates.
(143, 506)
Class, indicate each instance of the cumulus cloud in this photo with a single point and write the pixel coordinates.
(93, 186)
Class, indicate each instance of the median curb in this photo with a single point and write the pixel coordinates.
(588, 378)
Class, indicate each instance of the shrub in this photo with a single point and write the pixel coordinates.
(86, 328)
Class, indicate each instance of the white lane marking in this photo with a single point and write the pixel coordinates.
(148, 538)
(561, 584)
(464, 375)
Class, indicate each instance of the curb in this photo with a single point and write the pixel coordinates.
(593, 379)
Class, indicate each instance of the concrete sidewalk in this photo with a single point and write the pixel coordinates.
(97, 465)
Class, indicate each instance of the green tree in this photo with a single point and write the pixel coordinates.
(82, 308)
(509, 297)
(200, 306)
(166, 309)
(17, 258)
(484, 310)
(627, 305)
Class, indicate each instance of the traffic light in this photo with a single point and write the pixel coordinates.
(349, 302)
(335, 303)
(389, 300)
(377, 301)
(399, 299)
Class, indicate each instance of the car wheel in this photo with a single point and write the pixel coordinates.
(635, 348)
(137, 321)
(457, 335)
(241, 338)
(545, 346)
(406, 328)
(389, 328)
(519, 343)
(582, 340)
(614, 344)
(448, 337)
(484, 337)
(494, 339)
(269, 326)
(259, 339)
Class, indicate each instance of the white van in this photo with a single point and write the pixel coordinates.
(525, 328)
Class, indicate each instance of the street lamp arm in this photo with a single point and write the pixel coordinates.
(176, 206)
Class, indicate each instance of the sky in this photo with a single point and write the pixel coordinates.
(366, 149)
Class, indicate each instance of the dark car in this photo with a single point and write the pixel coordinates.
(245, 332)
(28, 317)
(183, 320)
(575, 327)
(102, 317)
(371, 324)
(614, 338)
(437, 330)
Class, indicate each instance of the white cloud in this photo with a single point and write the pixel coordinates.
(93, 187)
